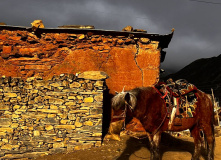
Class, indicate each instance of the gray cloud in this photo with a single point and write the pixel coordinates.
(197, 26)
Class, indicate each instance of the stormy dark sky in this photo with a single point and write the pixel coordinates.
(197, 22)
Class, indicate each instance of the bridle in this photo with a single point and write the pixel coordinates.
(123, 114)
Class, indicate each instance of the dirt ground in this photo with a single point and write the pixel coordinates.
(172, 148)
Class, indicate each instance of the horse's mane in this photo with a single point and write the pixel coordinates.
(118, 101)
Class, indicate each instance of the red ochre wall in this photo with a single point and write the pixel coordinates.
(131, 60)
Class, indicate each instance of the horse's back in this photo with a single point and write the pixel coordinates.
(204, 101)
(205, 107)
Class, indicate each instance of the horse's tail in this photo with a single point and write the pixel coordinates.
(213, 113)
(204, 139)
(212, 122)
(213, 119)
(206, 145)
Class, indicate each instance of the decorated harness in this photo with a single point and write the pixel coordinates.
(180, 98)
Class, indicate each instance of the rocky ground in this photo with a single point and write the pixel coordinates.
(172, 148)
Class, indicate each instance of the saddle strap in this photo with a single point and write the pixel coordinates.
(164, 118)
(161, 95)
(165, 94)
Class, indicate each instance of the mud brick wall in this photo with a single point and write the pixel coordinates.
(131, 59)
(39, 117)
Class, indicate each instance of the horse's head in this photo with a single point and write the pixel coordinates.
(118, 104)
(119, 100)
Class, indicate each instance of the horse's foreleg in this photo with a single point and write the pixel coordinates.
(151, 150)
(195, 132)
(155, 146)
(210, 140)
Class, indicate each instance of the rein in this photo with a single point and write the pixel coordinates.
(123, 114)
(163, 97)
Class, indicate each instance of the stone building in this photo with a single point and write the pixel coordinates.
(54, 83)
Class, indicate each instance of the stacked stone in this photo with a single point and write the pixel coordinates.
(39, 116)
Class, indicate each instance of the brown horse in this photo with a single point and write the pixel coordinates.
(147, 105)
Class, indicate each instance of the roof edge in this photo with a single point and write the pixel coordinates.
(163, 39)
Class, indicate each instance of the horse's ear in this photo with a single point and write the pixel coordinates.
(127, 97)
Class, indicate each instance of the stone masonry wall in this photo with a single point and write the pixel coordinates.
(39, 117)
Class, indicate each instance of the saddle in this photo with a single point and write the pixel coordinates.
(180, 87)
(180, 99)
